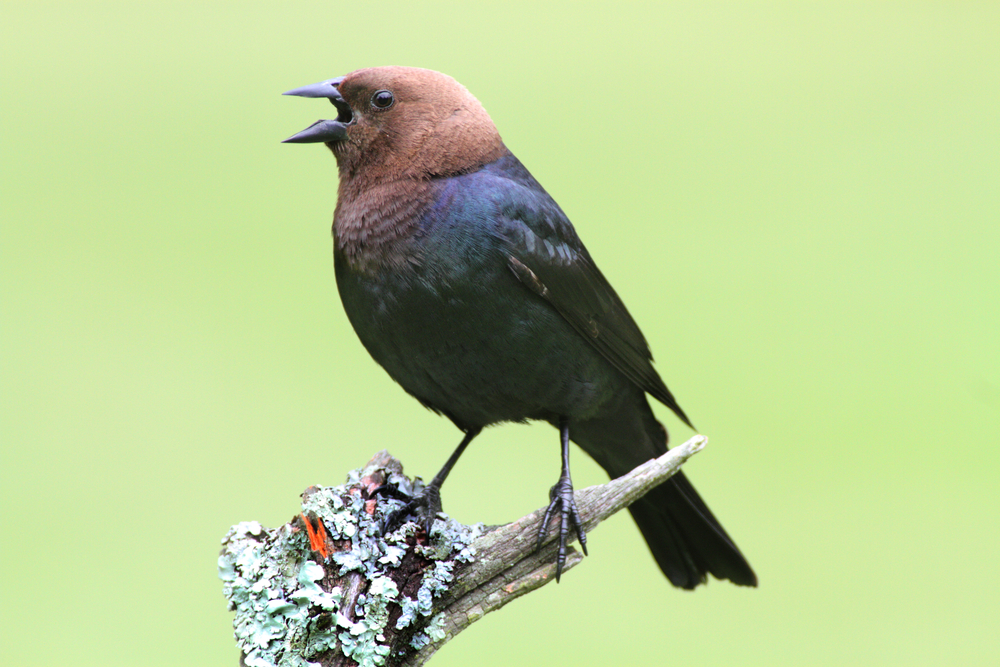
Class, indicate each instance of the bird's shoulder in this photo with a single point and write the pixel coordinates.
(538, 243)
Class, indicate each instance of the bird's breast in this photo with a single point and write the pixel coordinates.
(458, 331)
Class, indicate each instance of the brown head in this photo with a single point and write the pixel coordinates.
(396, 123)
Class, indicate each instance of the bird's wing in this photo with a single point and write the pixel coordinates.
(547, 256)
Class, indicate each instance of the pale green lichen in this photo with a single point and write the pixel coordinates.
(283, 618)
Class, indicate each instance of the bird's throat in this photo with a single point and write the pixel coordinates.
(372, 226)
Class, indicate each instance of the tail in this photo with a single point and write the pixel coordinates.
(686, 539)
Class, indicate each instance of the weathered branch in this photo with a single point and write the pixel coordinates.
(335, 591)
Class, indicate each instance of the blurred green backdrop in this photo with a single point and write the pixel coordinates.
(799, 202)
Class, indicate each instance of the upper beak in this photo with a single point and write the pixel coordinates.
(323, 130)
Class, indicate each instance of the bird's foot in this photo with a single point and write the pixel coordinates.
(389, 490)
(422, 508)
(561, 498)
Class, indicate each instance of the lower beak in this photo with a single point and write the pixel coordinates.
(321, 130)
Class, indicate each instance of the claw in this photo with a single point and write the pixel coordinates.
(422, 508)
(561, 497)
(543, 529)
(390, 491)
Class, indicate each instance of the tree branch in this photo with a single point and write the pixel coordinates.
(328, 588)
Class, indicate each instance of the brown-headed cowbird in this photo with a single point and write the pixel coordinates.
(468, 284)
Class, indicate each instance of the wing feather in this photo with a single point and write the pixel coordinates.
(548, 257)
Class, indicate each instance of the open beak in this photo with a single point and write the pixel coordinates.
(324, 130)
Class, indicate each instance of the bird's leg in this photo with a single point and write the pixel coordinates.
(424, 506)
(561, 497)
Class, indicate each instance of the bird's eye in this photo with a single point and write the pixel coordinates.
(382, 99)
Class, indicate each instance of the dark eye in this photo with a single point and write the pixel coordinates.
(382, 99)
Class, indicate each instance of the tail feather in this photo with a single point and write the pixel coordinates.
(686, 540)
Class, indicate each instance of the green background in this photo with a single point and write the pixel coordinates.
(799, 202)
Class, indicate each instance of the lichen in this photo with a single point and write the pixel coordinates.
(285, 618)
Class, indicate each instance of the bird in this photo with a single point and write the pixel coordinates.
(468, 284)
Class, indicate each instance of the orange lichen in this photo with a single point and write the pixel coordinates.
(317, 536)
